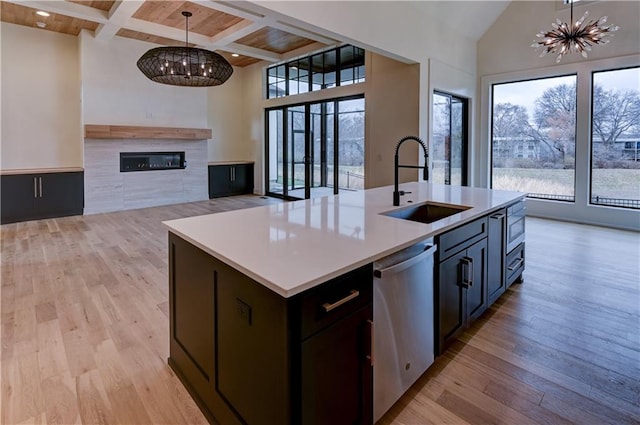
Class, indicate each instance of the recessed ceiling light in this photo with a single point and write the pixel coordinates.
(235, 55)
(42, 13)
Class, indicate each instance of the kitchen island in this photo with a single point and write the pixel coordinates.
(271, 312)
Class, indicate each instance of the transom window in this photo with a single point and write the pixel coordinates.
(339, 66)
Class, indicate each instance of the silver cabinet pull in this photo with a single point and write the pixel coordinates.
(498, 216)
(515, 264)
(468, 262)
(40, 180)
(328, 307)
(35, 187)
(372, 344)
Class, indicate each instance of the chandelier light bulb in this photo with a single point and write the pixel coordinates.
(574, 38)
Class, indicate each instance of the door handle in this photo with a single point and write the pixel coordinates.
(498, 216)
(35, 187)
(467, 263)
(40, 180)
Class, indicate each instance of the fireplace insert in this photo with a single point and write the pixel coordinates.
(148, 161)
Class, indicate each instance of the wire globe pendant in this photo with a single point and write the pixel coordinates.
(184, 65)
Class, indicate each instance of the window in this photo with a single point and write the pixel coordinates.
(336, 67)
(615, 138)
(315, 149)
(540, 114)
(449, 140)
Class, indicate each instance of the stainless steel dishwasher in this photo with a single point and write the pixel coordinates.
(403, 322)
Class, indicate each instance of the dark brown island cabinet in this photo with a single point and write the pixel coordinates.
(250, 356)
(39, 195)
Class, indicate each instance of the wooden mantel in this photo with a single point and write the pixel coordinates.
(93, 131)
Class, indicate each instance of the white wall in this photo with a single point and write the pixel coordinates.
(504, 54)
(114, 90)
(40, 99)
(226, 117)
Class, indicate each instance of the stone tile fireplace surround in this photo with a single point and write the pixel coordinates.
(107, 189)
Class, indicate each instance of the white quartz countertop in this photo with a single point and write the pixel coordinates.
(293, 246)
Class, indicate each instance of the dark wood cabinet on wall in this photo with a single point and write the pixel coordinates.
(33, 196)
(230, 179)
(249, 356)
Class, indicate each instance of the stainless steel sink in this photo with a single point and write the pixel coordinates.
(427, 212)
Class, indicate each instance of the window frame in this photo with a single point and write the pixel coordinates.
(580, 211)
(309, 60)
(550, 197)
(591, 142)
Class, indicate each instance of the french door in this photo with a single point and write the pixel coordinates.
(450, 140)
(315, 149)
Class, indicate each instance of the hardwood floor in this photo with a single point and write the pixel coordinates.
(84, 324)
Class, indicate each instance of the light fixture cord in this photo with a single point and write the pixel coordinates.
(186, 50)
(187, 27)
(571, 1)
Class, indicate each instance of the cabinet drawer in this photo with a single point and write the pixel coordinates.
(322, 306)
(455, 240)
(515, 264)
(517, 209)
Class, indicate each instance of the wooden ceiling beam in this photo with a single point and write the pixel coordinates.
(303, 33)
(238, 31)
(120, 12)
(231, 9)
(253, 52)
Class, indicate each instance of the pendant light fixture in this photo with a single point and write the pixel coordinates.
(185, 66)
(567, 38)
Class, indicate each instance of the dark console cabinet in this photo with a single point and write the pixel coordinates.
(230, 179)
(250, 356)
(41, 195)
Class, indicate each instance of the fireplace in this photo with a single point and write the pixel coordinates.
(149, 161)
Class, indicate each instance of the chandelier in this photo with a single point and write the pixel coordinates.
(565, 38)
(185, 66)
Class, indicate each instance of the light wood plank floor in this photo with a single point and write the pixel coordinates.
(85, 329)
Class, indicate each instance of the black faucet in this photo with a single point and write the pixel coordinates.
(397, 193)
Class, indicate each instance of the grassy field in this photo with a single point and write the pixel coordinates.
(609, 183)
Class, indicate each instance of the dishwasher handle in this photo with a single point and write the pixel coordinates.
(428, 251)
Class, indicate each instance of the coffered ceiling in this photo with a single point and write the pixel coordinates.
(226, 27)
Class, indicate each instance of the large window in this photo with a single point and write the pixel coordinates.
(533, 137)
(315, 149)
(336, 67)
(615, 138)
